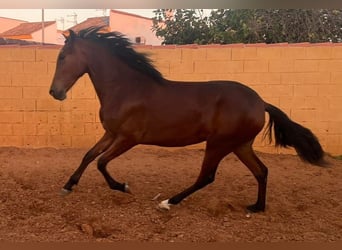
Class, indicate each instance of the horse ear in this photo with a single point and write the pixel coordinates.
(69, 36)
(72, 34)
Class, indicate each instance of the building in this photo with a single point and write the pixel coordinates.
(137, 28)
(9, 23)
(33, 31)
(92, 21)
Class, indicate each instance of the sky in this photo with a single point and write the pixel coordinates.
(65, 17)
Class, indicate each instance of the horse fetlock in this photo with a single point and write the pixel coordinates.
(73, 181)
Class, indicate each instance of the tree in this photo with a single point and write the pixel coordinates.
(183, 26)
(222, 26)
(301, 25)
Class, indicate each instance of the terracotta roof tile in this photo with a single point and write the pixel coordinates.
(26, 28)
(93, 21)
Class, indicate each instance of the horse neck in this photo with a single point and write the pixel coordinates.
(111, 77)
(104, 72)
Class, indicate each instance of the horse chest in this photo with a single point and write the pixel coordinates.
(127, 120)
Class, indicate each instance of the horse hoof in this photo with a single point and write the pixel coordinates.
(255, 209)
(64, 192)
(127, 189)
(165, 205)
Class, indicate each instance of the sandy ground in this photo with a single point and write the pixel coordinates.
(303, 202)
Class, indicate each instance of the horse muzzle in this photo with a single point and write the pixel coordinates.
(58, 95)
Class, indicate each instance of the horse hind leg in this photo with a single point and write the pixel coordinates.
(213, 155)
(246, 154)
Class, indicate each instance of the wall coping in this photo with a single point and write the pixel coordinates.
(194, 46)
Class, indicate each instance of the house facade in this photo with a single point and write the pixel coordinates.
(137, 28)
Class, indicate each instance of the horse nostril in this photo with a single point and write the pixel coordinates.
(58, 95)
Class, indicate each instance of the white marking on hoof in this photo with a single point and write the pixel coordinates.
(164, 205)
(64, 192)
(127, 189)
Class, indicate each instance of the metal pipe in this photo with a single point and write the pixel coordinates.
(43, 28)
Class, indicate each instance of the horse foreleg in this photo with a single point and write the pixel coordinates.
(213, 156)
(118, 147)
(246, 154)
(101, 146)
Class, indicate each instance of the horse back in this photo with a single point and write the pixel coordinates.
(218, 107)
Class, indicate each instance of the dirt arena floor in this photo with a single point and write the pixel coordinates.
(303, 202)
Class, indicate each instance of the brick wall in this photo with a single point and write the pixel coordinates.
(304, 80)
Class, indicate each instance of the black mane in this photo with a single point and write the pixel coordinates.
(121, 47)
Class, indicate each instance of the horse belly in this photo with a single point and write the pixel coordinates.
(175, 134)
(174, 140)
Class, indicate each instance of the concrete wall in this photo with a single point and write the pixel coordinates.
(303, 80)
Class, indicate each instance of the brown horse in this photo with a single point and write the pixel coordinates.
(139, 106)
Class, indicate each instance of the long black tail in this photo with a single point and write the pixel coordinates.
(289, 133)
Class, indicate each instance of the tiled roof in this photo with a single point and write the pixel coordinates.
(93, 21)
(26, 29)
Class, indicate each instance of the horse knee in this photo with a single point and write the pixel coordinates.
(262, 176)
(101, 165)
